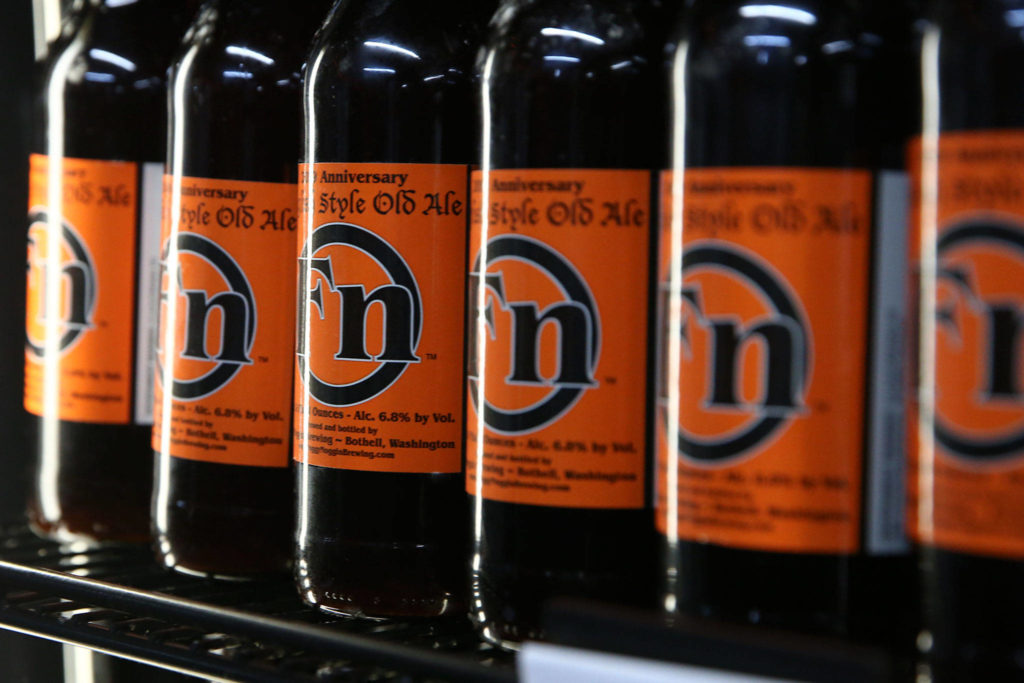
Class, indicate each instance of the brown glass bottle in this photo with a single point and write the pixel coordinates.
(969, 221)
(102, 106)
(390, 92)
(771, 100)
(572, 126)
(236, 127)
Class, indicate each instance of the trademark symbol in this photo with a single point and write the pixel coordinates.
(823, 406)
(431, 356)
(262, 359)
(611, 380)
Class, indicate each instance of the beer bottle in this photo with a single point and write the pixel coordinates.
(783, 266)
(94, 215)
(223, 498)
(967, 470)
(379, 392)
(560, 303)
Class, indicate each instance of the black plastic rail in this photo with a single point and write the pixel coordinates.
(75, 609)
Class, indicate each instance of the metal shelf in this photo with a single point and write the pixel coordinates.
(115, 599)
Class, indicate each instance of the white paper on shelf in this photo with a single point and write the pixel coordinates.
(544, 663)
(148, 287)
(886, 485)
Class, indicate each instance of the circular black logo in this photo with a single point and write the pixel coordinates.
(997, 352)
(403, 311)
(783, 331)
(79, 276)
(580, 333)
(238, 314)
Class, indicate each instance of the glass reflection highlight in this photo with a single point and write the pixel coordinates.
(782, 12)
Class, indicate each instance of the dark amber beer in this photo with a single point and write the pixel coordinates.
(95, 206)
(223, 499)
(784, 279)
(560, 249)
(967, 466)
(390, 134)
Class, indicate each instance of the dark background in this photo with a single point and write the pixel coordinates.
(16, 68)
(22, 659)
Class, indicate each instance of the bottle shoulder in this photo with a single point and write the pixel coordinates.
(990, 25)
(587, 31)
(576, 44)
(371, 40)
(121, 49)
(229, 43)
(787, 37)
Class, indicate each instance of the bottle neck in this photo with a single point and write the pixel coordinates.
(165, 13)
(307, 7)
(118, 4)
(176, 5)
(891, 8)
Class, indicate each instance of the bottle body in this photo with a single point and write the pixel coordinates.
(773, 356)
(556, 426)
(379, 403)
(222, 504)
(966, 456)
(94, 181)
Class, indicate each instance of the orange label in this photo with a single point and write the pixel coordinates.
(382, 301)
(81, 289)
(770, 331)
(227, 322)
(973, 490)
(557, 362)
